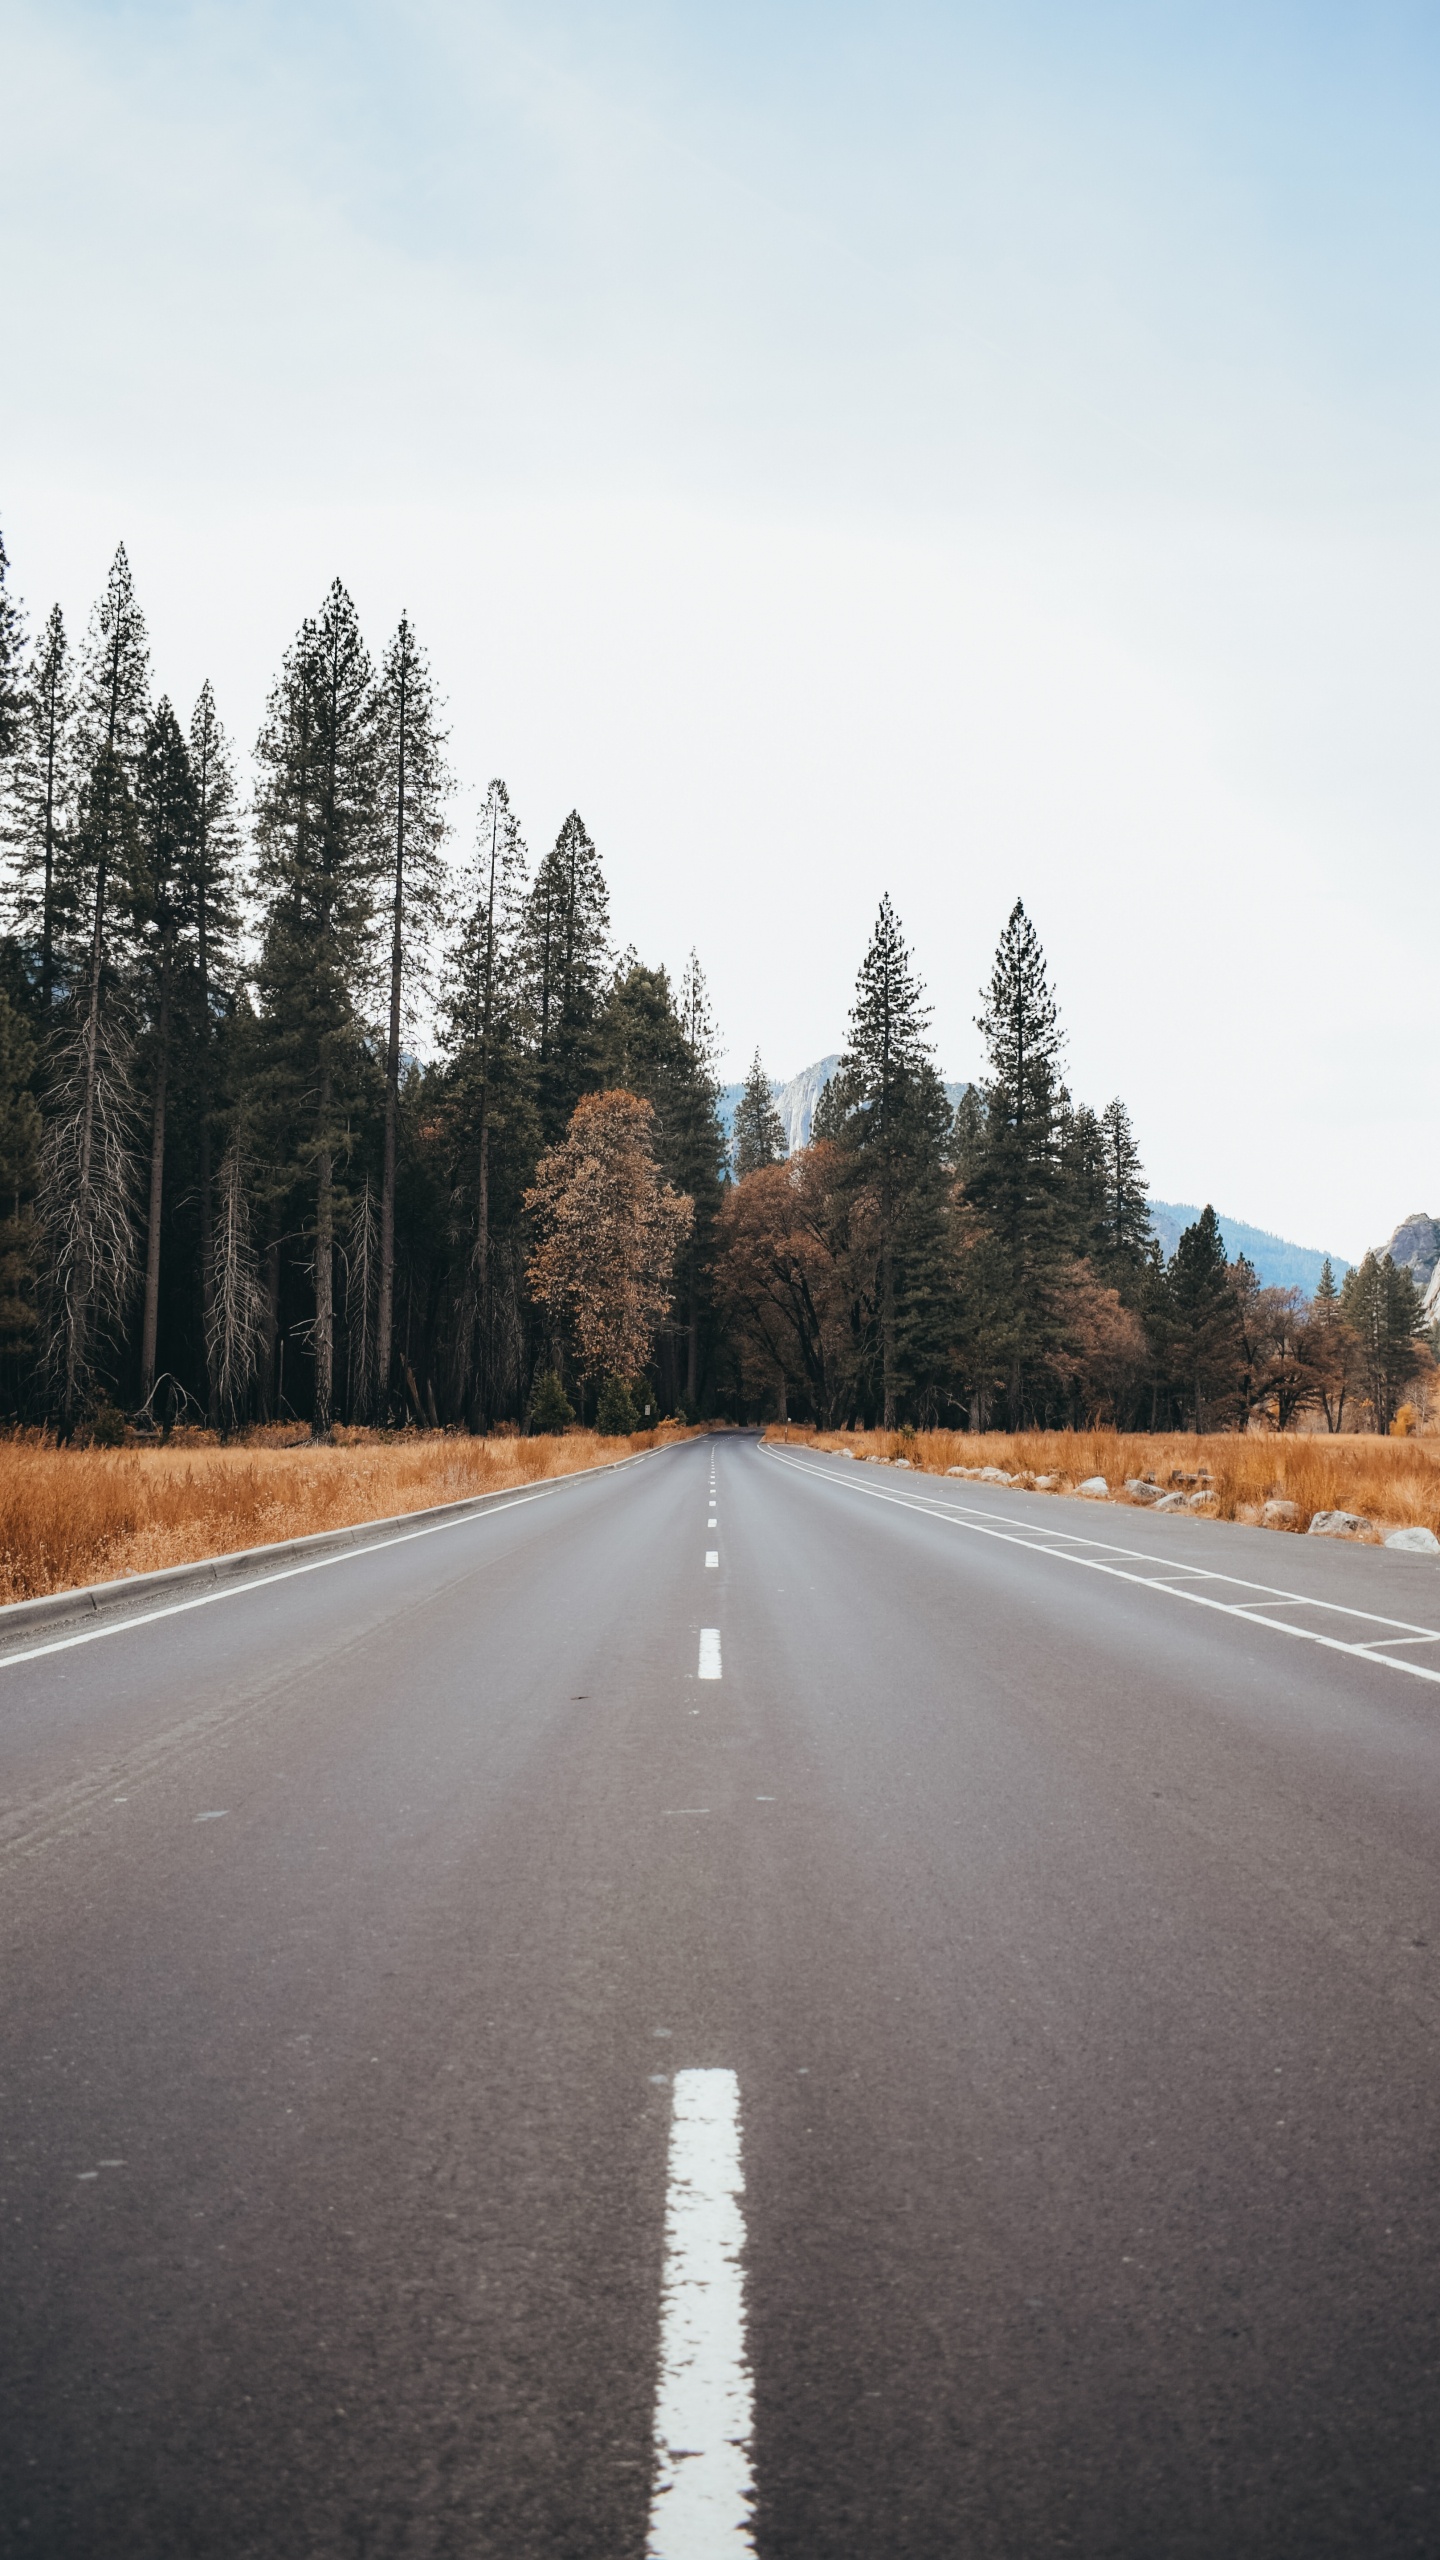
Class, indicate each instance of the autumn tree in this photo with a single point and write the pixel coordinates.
(780, 1284)
(607, 1234)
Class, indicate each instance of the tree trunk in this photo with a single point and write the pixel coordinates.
(150, 1326)
(322, 1418)
(482, 1269)
(385, 1310)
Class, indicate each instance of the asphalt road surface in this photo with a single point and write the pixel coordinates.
(958, 2077)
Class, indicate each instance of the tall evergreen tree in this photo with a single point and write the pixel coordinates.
(644, 1047)
(482, 1015)
(215, 893)
(41, 810)
(316, 827)
(568, 933)
(413, 783)
(1126, 1202)
(759, 1132)
(162, 898)
(1205, 1338)
(12, 663)
(1383, 1309)
(895, 1127)
(1017, 1186)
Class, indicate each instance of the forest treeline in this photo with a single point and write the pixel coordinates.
(307, 1111)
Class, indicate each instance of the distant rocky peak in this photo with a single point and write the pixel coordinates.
(1415, 1246)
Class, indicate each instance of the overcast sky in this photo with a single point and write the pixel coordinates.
(967, 452)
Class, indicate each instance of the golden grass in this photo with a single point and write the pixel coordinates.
(72, 1516)
(1392, 1483)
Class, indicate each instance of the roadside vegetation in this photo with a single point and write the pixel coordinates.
(1391, 1483)
(74, 1516)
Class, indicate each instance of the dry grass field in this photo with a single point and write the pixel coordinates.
(72, 1516)
(1392, 1483)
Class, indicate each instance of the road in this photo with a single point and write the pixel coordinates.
(1042, 1969)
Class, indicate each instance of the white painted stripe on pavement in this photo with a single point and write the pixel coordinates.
(712, 1556)
(1064, 1547)
(709, 1654)
(703, 2495)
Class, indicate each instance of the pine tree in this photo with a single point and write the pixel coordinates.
(895, 1123)
(214, 899)
(12, 663)
(316, 825)
(160, 894)
(568, 936)
(482, 1014)
(758, 1136)
(19, 1169)
(1017, 1186)
(41, 802)
(414, 784)
(87, 1231)
(1126, 1201)
(643, 1047)
(1383, 1309)
(1205, 1339)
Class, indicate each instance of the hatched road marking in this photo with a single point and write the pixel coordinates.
(1176, 1579)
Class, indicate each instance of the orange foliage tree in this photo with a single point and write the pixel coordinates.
(608, 1231)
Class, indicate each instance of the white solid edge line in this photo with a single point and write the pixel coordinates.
(287, 1573)
(703, 2492)
(1254, 1617)
(709, 1666)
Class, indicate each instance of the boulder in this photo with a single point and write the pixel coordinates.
(1198, 1501)
(1096, 1487)
(1276, 1514)
(900, 1462)
(1045, 1484)
(1171, 1502)
(1414, 1542)
(1140, 1489)
(1339, 1524)
(996, 1475)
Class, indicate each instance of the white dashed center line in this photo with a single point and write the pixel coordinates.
(712, 1555)
(703, 2497)
(709, 1654)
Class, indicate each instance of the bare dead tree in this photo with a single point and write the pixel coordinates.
(362, 1275)
(86, 1206)
(238, 1308)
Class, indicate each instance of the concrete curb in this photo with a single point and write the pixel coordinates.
(55, 1611)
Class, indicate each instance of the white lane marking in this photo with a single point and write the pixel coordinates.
(1258, 1615)
(709, 1654)
(213, 1817)
(288, 1573)
(704, 2491)
(712, 1557)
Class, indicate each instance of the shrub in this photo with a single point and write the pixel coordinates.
(107, 1427)
(615, 1413)
(550, 1407)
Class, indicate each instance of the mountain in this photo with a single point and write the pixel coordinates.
(796, 1100)
(1415, 1246)
(1278, 1263)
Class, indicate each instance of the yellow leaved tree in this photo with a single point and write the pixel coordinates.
(607, 1233)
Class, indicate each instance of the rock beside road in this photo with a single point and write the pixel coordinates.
(1279, 1515)
(1340, 1524)
(1096, 1487)
(1414, 1542)
(1140, 1489)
